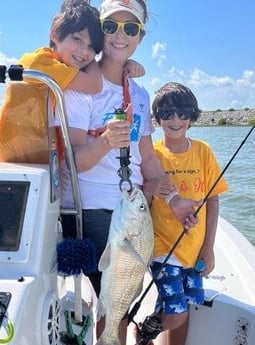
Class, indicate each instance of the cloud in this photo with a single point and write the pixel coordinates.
(222, 91)
(157, 48)
(7, 61)
(213, 92)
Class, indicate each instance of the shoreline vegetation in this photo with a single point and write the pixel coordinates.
(231, 117)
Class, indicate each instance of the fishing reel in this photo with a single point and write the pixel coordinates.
(150, 329)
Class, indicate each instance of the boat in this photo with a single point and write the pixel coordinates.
(41, 305)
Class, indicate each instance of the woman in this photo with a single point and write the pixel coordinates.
(88, 115)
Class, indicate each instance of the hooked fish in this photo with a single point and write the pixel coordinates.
(124, 261)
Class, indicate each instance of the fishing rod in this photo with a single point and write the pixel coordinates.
(137, 305)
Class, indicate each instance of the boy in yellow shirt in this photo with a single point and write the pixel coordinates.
(194, 170)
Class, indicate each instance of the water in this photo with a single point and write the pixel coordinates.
(238, 205)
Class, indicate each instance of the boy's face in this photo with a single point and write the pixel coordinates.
(175, 127)
(75, 50)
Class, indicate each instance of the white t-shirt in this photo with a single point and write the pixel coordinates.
(99, 186)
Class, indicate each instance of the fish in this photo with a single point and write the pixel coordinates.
(124, 261)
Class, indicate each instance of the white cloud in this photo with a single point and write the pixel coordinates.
(157, 48)
(155, 81)
(7, 61)
(214, 92)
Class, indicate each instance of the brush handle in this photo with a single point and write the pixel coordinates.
(77, 297)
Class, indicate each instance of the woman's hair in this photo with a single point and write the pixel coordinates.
(145, 11)
(143, 4)
(177, 96)
(75, 16)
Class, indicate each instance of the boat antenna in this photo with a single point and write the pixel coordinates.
(137, 305)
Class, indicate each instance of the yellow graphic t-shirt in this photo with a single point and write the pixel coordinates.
(194, 172)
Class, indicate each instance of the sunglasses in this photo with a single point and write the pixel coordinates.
(110, 27)
(169, 113)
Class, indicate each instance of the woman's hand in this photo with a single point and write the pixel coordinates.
(117, 134)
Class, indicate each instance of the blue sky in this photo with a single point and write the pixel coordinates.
(207, 45)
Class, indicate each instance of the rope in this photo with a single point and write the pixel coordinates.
(9, 331)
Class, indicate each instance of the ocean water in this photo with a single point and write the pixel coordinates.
(238, 205)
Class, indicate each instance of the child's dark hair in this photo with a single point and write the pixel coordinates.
(75, 16)
(69, 4)
(175, 95)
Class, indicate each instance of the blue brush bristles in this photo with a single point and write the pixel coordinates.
(76, 256)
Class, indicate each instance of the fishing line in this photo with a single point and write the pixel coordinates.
(137, 305)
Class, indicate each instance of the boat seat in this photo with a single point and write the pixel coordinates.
(26, 132)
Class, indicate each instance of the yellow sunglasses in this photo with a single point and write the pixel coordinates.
(110, 27)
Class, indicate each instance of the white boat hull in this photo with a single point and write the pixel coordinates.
(40, 297)
(228, 315)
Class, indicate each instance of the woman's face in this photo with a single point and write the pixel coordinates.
(119, 46)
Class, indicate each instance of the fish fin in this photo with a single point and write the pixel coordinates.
(135, 254)
(104, 261)
(100, 309)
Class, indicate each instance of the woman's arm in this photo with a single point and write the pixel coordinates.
(87, 155)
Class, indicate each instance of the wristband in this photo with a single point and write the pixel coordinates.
(170, 196)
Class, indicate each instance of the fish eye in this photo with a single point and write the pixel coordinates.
(143, 207)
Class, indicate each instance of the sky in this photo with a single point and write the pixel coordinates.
(207, 45)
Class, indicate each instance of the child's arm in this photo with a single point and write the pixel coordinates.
(89, 80)
(207, 253)
(67, 77)
(134, 69)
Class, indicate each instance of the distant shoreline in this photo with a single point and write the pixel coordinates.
(226, 117)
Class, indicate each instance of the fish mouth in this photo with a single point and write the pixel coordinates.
(132, 194)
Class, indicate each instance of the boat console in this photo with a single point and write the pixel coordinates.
(38, 305)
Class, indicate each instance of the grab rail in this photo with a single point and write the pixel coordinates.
(17, 73)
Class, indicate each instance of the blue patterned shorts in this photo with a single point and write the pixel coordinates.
(177, 287)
